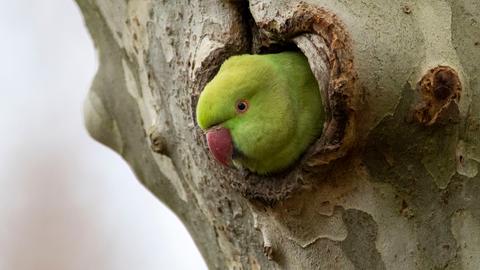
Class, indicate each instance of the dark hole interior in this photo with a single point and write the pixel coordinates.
(277, 48)
(444, 83)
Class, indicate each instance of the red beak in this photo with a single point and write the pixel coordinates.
(220, 144)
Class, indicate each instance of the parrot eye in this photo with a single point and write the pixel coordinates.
(242, 106)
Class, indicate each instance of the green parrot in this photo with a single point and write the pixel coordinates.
(261, 112)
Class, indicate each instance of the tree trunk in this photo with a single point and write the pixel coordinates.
(392, 183)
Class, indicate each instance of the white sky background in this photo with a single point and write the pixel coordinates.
(67, 202)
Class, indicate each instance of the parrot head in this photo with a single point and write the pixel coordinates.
(250, 116)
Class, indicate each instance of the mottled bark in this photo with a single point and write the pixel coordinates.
(392, 184)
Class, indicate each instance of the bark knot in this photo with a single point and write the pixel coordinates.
(157, 142)
(440, 89)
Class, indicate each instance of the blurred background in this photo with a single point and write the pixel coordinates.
(67, 202)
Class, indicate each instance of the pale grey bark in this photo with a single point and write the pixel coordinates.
(398, 193)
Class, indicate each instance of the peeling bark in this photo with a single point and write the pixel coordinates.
(392, 183)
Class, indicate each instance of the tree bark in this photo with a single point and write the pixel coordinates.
(392, 183)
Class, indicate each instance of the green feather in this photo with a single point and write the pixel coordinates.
(285, 112)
